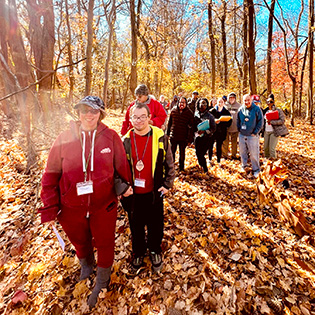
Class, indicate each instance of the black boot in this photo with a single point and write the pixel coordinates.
(87, 266)
(102, 281)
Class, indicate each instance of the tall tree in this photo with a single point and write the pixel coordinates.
(212, 46)
(110, 13)
(245, 50)
(42, 41)
(19, 72)
(223, 34)
(89, 46)
(134, 44)
(69, 48)
(269, 47)
(251, 47)
(310, 106)
(291, 61)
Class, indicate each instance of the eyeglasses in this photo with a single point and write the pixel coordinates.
(85, 110)
(141, 118)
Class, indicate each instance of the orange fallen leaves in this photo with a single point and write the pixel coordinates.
(227, 249)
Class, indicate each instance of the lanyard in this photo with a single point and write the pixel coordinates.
(85, 162)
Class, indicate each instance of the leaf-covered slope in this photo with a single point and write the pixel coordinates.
(226, 251)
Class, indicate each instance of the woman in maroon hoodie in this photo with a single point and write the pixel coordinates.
(78, 188)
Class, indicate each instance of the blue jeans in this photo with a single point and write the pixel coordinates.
(249, 146)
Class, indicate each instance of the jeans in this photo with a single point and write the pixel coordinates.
(249, 146)
(270, 143)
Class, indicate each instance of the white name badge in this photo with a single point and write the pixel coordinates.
(85, 188)
(140, 182)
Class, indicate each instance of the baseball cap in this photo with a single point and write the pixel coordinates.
(93, 101)
(232, 94)
(195, 92)
(256, 99)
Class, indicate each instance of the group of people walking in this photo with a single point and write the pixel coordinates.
(227, 123)
(89, 166)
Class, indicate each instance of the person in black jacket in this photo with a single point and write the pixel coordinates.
(219, 136)
(179, 129)
(202, 137)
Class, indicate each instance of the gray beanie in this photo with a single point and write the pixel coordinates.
(142, 89)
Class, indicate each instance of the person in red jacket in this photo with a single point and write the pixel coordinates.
(78, 188)
(157, 116)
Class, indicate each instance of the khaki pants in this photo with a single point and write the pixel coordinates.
(270, 143)
(231, 136)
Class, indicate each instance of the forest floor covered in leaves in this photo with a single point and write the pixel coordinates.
(227, 250)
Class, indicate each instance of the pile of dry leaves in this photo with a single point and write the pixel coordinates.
(232, 245)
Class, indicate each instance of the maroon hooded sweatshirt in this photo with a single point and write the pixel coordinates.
(91, 215)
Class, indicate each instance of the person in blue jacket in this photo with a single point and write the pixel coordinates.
(249, 123)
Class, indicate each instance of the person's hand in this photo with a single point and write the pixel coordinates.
(217, 121)
(128, 192)
(201, 132)
(151, 122)
(163, 191)
(253, 135)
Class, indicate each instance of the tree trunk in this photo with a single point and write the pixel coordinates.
(212, 47)
(251, 48)
(301, 82)
(89, 45)
(42, 39)
(309, 111)
(71, 74)
(225, 63)
(245, 50)
(235, 47)
(134, 47)
(23, 77)
(111, 19)
(269, 48)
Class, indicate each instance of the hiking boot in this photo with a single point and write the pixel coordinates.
(137, 262)
(156, 260)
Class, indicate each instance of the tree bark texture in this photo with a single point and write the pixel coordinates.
(111, 19)
(245, 50)
(212, 47)
(269, 47)
(223, 32)
(134, 46)
(89, 46)
(251, 47)
(310, 107)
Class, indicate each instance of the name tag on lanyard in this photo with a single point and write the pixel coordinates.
(85, 188)
(140, 182)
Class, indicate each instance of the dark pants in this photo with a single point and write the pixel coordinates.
(219, 142)
(145, 210)
(201, 147)
(182, 146)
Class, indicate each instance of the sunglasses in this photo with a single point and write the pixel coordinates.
(85, 110)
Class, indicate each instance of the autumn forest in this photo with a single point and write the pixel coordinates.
(232, 244)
